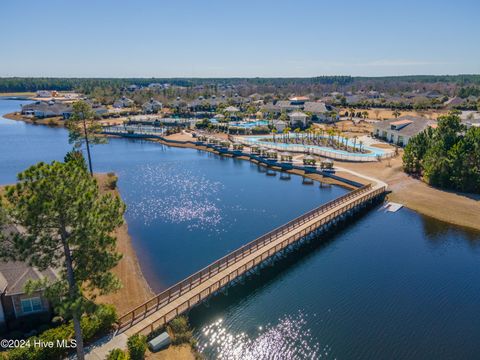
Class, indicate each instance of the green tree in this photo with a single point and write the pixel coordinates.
(83, 128)
(66, 225)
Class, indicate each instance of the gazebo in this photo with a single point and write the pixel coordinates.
(326, 164)
(271, 154)
(225, 144)
(309, 160)
(286, 157)
(263, 151)
(254, 149)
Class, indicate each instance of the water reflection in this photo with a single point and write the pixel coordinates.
(289, 338)
(441, 233)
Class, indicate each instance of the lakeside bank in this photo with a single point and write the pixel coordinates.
(448, 206)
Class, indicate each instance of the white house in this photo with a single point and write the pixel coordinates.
(400, 131)
(298, 117)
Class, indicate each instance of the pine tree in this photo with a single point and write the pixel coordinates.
(83, 128)
(67, 225)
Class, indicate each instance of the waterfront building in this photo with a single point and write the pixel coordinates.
(43, 109)
(400, 131)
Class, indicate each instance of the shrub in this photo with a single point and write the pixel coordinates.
(111, 181)
(137, 345)
(117, 354)
(181, 332)
(98, 322)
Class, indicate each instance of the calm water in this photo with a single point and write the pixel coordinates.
(389, 286)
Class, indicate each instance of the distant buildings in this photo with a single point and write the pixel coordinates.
(319, 111)
(152, 106)
(123, 102)
(43, 109)
(298, 118)
(47, 93)
(400, 131)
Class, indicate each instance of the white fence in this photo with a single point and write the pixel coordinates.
(314, 150)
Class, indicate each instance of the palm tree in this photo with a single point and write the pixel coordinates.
(286, 130)
(331, 134)
(360, 143)
(297, 132)
(355, 142)
(352, 113)
(396, 113)
(274, 131)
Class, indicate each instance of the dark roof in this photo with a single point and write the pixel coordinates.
(415, 126)
(15, 274)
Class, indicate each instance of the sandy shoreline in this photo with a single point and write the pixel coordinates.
(135, 289)
(454, 208)
(448, 206)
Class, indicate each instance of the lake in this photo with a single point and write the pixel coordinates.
(387, 286)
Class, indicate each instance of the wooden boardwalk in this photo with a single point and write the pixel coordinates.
(184, 295)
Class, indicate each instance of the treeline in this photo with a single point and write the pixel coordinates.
(22, 84)
(465, 92)
(447, 157)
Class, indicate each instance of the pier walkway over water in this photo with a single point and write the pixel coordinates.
(191, 291)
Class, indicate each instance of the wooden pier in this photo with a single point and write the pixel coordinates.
(193, 290)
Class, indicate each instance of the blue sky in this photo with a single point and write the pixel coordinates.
(204, 38)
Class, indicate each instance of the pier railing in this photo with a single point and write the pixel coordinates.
(176, 291)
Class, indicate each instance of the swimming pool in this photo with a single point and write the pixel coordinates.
(243, 124)
(373, 152)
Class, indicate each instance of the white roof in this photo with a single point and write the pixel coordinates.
(297, 114)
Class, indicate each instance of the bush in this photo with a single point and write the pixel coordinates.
(117, 354)
(137, 345)
(97, 323)
(181, 332)
(111, 181)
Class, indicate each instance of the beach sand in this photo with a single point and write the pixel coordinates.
(135, 289)
(452, 207)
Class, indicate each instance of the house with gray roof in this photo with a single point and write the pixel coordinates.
(399, 131)
(152, 106)
(123, 102)
(15, 303)
(43, 109)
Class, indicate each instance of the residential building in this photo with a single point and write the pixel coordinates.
(43, 109)
(123, 102)
(15, 304)
(399, 131)
(44, 94)
(152, 106)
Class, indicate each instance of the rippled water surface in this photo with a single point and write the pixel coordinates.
(387, 286)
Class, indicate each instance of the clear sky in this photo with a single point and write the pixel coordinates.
(223, 38)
